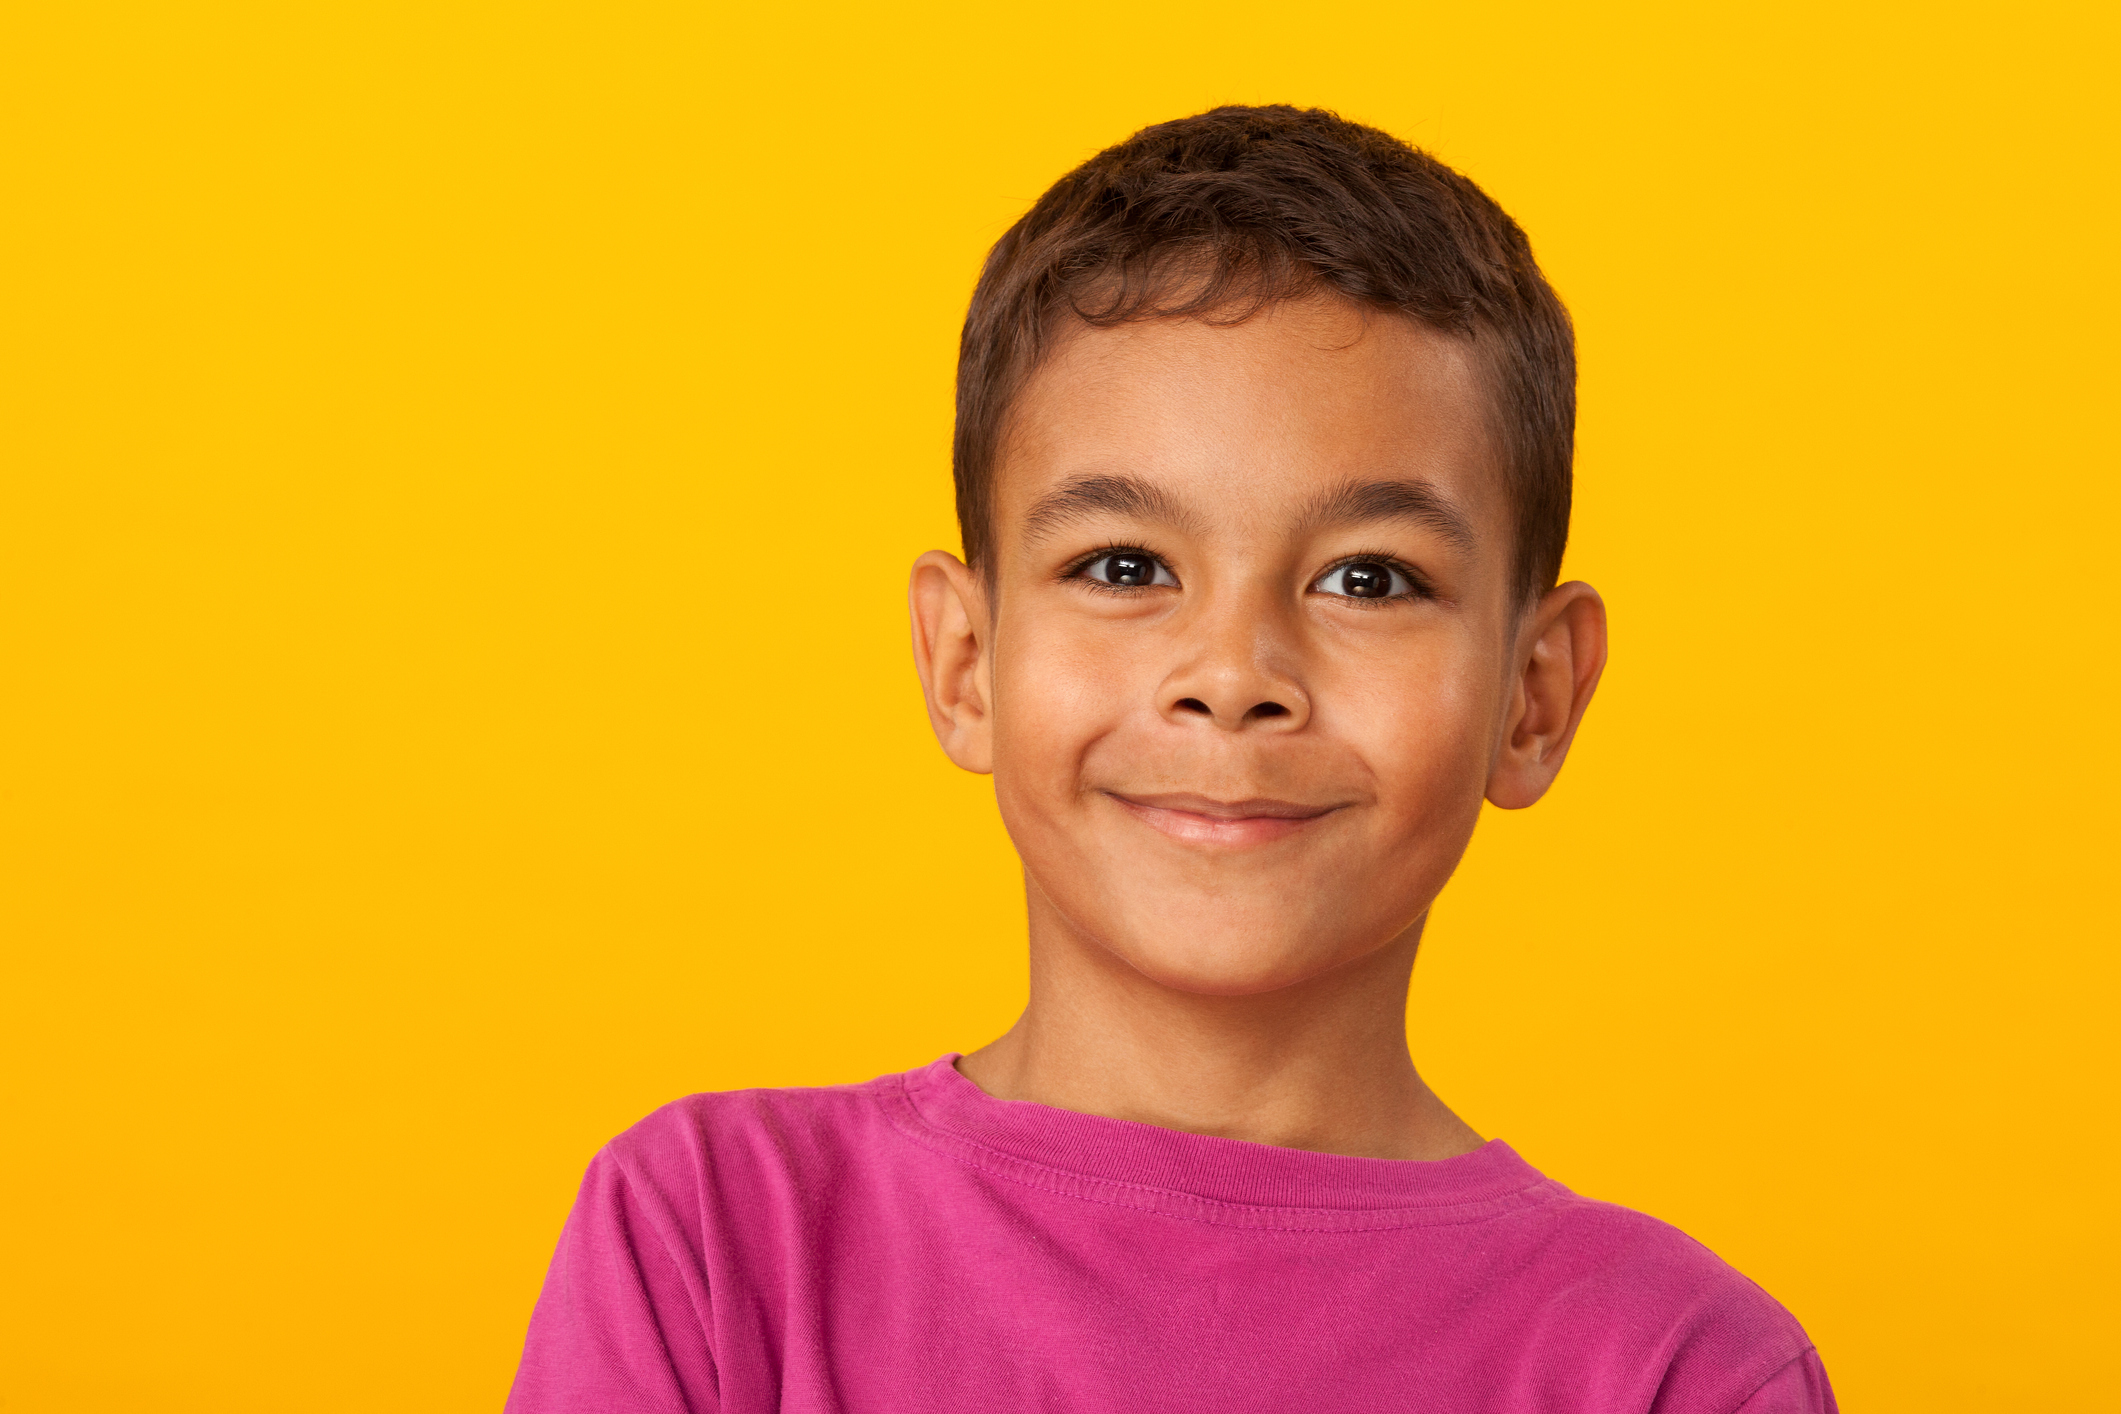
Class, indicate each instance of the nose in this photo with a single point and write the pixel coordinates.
(1233, 671)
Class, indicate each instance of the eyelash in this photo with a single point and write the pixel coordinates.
(1417, 582)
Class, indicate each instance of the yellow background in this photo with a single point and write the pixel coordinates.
(460, 466)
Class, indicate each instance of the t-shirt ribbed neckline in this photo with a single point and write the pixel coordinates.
(1229, 1182)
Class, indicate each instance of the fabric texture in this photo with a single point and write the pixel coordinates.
(913, 1244)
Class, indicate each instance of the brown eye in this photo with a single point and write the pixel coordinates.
(1364, 579)
(1128, 569)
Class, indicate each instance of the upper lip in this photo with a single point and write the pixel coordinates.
(1259, 807)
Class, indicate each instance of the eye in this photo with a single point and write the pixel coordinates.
(1127, 569)
(1365, 579)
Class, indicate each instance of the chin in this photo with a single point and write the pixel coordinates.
(1225, 957)
(1220, 977)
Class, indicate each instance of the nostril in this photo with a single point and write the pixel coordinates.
(1270, 709)
(1194, 704)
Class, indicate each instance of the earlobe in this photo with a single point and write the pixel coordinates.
(949, 610)
(1561, 653)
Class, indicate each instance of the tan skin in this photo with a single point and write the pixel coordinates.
(1248, 662)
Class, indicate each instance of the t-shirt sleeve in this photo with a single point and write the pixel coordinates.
(1740, 1352)
(1799, 1387)
(621, 1325)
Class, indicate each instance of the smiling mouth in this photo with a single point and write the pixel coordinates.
(1195, 819)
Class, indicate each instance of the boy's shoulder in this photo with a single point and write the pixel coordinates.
(690, 1141)
(1626, 1240)
(1620, 1251)
(1604, 1267)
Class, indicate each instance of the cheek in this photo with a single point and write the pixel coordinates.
(1057, 691)
(1421, 720)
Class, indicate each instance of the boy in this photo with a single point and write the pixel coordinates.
(1263, 460)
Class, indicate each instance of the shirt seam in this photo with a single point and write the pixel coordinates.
(1771, 1376)
(1512, 1200)
(670, 1236)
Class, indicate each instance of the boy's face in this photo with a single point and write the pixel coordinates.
(1251, 657)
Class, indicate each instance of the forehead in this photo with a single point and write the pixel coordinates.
(1254, 419)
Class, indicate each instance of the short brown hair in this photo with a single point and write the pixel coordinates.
(1217, 215)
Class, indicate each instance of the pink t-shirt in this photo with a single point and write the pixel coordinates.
(913, 1244)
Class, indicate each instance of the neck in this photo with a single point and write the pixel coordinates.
(1321, 1065)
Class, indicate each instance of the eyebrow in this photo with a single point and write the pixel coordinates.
(1086, 496)
(1355, 502)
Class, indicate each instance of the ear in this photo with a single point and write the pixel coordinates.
(949, 604)
(1560, 652)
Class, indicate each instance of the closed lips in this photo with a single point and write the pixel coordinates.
(1196, 819)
